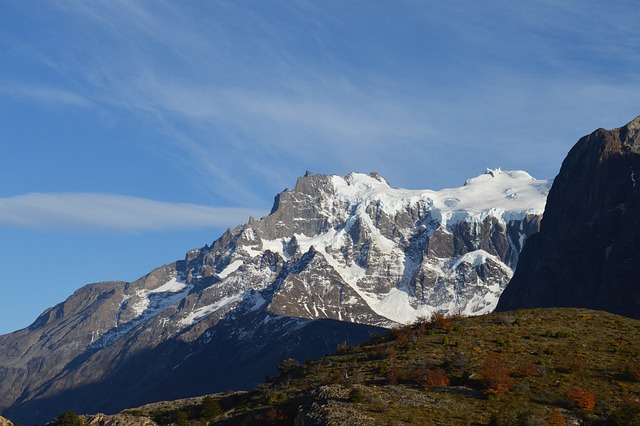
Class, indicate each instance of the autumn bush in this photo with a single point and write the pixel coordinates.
(581, 398)
(527, 369)
(273, 416)
(435, 378)
(441, 321)
(495, 377)
(395, 376)
(401, 334)
(574, 365)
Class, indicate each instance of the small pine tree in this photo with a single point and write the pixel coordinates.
(356, 395)
(68, 418)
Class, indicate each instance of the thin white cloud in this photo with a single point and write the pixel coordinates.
(264, 101)
(94, 212)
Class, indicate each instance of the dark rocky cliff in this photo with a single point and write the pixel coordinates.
(587, 253)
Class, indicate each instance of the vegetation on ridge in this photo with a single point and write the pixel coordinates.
(529, 367)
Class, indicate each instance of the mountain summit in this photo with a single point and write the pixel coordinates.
(587, 253)
(336, 258)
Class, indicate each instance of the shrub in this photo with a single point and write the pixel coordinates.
(632, 371)
(573, 365)
(435, 378)
(401, 334)
(581, 399)
(458, 363)
(68, 418)
(273, 416)
(179, 418)
(395, 376)
(288, 366)
(356, 395)
(343, 348)
(441, 321)
(527, 370)
(336, 377)
(211, 408)
(495, 377)
(385, 352)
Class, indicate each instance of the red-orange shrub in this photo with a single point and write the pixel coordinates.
(401, 334)
(441, 321)
(495, 377)
(527, 370)
(395, 376)
(435, 378)
(580, 398)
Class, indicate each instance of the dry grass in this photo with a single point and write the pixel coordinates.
(543, 366)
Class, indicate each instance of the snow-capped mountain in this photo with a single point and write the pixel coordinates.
(335, 258)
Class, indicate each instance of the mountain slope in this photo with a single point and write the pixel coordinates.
(530, 367)
(350, 251)
(587, 253)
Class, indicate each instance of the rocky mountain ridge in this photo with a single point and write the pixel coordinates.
(587, 253)
(336, 258)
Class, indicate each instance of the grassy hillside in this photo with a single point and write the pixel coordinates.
(530, 367)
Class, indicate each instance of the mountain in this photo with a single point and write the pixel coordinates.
(587, 253)
(335, 260)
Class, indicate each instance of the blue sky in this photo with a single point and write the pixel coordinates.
(133, 131)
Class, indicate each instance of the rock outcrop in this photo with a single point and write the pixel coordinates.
(587, 253)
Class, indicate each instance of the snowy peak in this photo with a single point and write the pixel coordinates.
(397, 253)
(505, 195)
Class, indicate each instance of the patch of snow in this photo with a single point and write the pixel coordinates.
(149, 302)
(172, 286)
(477, 258)
(256, 300)
(252, 251)
(232, 267)
(199, 314)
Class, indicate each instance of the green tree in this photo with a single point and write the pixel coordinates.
(68, 418)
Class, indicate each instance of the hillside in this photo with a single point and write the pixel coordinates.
(533, 367)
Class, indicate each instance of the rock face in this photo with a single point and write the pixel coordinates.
(337, 258)
(587, 253)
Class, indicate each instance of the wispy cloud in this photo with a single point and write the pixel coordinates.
(92, 212)
(250, 99)
(251, 96)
